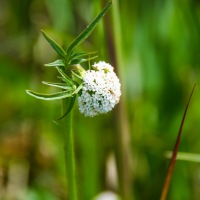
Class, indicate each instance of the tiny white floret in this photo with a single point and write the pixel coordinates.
(101, 90)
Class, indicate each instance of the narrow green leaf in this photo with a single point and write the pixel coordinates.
(71, 104)
(65, 77)
(91, 58)
(78, 55)
(78, 89)
(88, 30)
(78, 61)
(76, 75)
(54, 45)
(55, 96)
(56, 63)
(58, 85)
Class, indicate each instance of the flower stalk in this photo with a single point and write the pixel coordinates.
(68, 138)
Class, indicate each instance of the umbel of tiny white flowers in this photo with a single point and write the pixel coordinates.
(101, 90)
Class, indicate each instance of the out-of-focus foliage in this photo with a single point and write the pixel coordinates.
(161, 57)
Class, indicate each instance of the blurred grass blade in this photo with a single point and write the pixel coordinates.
(174, 155)
(191, 157)
(55, 96)
(56, 63)
(88, 30)
(55, 46)
(71, 103)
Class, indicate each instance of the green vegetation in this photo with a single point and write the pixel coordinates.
(154, 48)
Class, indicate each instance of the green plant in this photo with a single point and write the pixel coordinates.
(98, 89)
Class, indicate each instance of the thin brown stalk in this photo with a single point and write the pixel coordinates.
(174, 155)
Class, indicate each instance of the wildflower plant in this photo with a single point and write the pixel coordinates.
(98, 90)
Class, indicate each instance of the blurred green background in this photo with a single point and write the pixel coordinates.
(154, 46)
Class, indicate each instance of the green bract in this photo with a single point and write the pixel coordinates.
(68, 66)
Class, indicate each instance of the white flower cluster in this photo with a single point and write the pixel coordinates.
(101, 90)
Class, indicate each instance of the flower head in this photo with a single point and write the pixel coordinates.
(100, 91)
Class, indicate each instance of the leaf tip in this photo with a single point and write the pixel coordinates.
(27, 91)
(42, 31)
(44, 34)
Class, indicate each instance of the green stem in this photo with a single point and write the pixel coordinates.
(67, 123)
